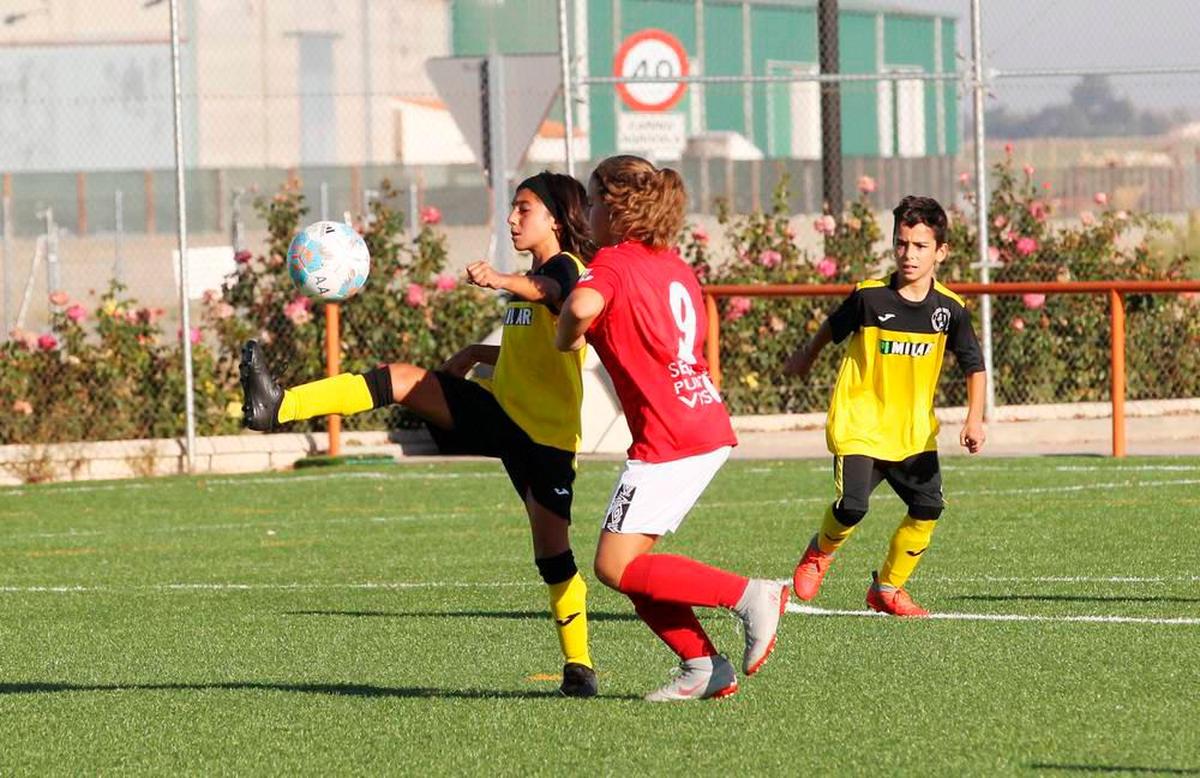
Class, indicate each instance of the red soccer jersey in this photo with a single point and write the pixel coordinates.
(650, 337)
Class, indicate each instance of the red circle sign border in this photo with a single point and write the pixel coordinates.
(623, 52)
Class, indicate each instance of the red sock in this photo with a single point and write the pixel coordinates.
(676, 625)
(677, 579)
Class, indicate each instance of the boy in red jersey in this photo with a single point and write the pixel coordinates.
(639, 305)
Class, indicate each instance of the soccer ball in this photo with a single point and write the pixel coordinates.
(329, 261)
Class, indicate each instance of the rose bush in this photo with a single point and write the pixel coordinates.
(1047, 348)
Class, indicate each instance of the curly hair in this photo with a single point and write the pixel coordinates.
(645, 203)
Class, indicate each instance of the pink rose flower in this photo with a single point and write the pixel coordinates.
(1018, 324)
(1008, 149)
(738, 307)
(76, 313)
(415, 296)
(770, 258)
(993, 255)
(866, 184)
(964, 179)
(1087, 218)
(826, 225)
(242, 257)
(445, 282)
(1122, 215)
(999, 222)
(47, 342)
(59, 298)
(1033, 300)
(297, 311)
(827, 267)
(430, 215)
(1028, 169)
(23, 407)
(1037, 209)
(1101, 198)
(700, 235)
(1026, 246)
(223, 311)
(26, 340)
(193, 334)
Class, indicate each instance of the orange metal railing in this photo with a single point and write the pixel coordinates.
(1113, 289)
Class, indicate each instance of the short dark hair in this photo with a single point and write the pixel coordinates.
(915, 209)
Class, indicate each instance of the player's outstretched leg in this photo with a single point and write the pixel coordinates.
(760, 607)
(266, 404)
(261, 395)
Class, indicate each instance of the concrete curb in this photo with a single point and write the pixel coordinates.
(1152, 427)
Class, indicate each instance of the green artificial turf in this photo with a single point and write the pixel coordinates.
(390, 620)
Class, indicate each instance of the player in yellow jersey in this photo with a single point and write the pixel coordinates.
(881, 425)
(528, 413)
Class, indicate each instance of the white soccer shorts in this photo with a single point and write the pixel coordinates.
(651, 498)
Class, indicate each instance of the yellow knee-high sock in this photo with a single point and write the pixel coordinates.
(568, 606)
(908, 544)
(345, 394)
(833, 533)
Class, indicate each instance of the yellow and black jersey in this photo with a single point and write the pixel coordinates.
(882, 404)
(538, 386)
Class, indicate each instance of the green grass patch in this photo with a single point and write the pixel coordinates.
(390, 620)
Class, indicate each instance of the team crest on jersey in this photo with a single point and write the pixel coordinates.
(941, 320)
(619, 507)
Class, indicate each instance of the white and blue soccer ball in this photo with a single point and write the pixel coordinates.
(329, 261)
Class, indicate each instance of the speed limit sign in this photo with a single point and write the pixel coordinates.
(646, 54)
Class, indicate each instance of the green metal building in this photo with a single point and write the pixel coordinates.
(908, 118)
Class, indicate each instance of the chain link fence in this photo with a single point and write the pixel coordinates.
(300, 111)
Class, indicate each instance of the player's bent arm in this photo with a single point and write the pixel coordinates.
(973, 432)
(801, 361)
(579, 310)
(533, 289)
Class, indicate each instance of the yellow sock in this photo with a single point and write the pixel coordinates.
(833, 533)
(568, 605)
(908, 544)
(345, 394)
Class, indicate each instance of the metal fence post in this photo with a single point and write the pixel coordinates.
(981, 206)
(185, 326)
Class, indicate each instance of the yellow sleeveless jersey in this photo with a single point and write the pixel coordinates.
(882, 404)
(538, 386)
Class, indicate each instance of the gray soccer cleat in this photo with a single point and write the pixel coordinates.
(261, 395)
(706, 677)
(760, 608)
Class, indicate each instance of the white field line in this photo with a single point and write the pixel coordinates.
(1070, 579)
(809, 610)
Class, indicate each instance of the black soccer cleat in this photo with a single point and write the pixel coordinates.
(261, 395)
(578, 681)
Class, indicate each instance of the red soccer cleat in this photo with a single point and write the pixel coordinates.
(810, 571)
(895, 602)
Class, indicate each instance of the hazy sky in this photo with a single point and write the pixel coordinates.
(1022, 34)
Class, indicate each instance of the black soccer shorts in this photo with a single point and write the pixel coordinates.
(482, 428)
(917, 480)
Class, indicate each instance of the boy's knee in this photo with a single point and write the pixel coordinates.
(925, 512)
(848, 517)
(608, 572)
